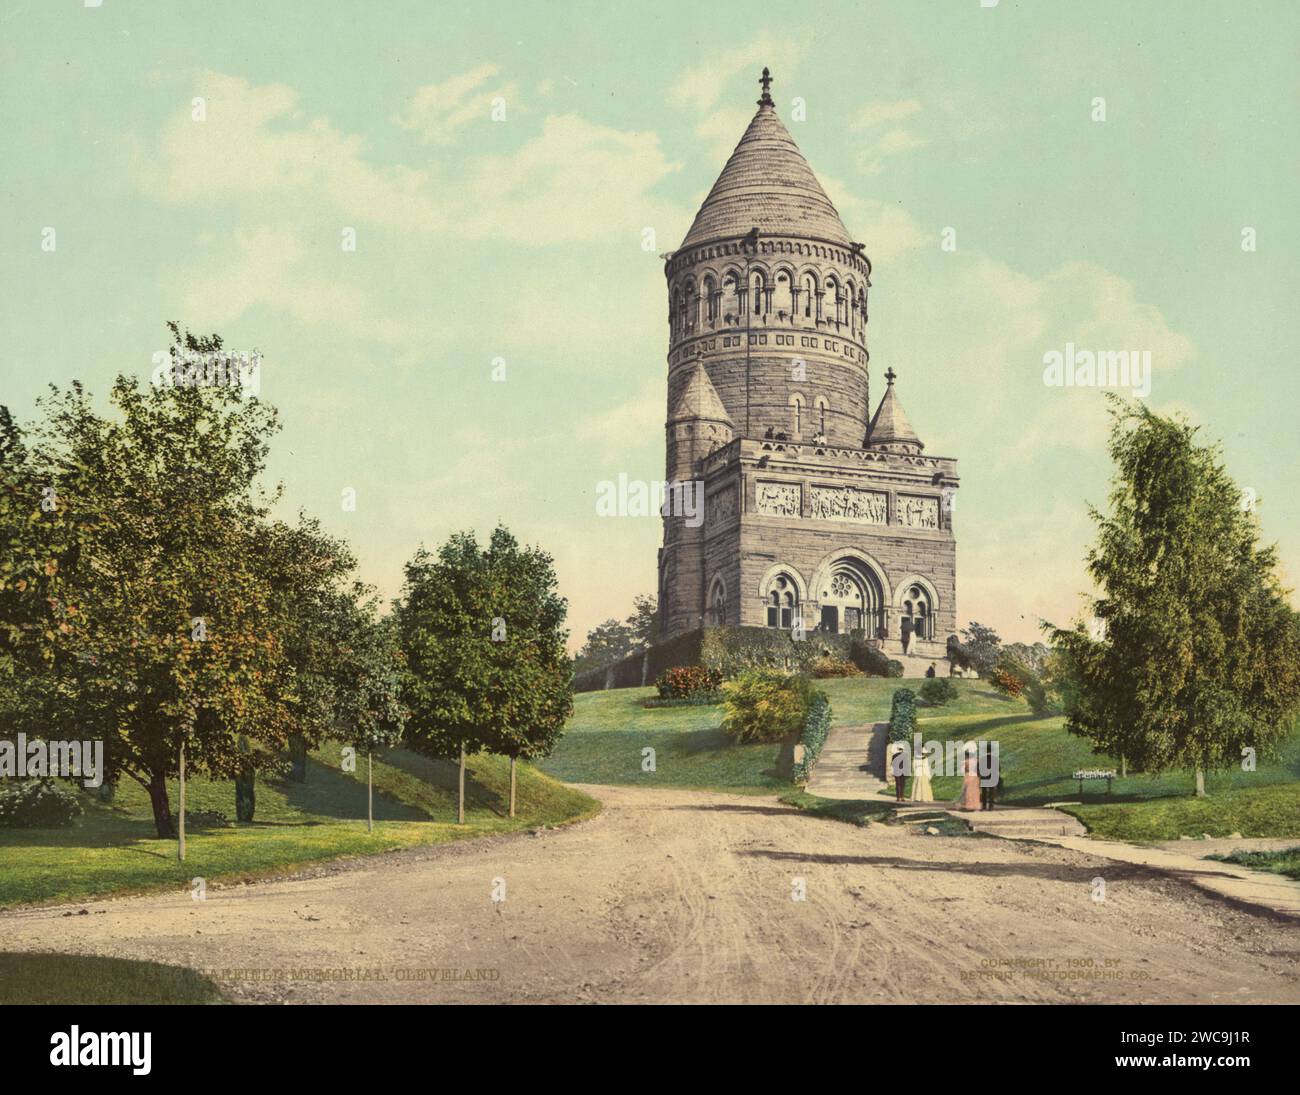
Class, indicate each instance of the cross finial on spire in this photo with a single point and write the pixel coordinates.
(890, 375)
(766, 81)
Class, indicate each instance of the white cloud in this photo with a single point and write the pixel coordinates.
(257, 146)
(438, 111)
(574, 181)
(721, 129)
(641, 415)
(888, 231)
(293, 182)
(701, 86)
(871, 156)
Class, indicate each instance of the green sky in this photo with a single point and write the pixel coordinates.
(522, 239)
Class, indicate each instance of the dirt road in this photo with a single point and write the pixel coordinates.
(685, 896)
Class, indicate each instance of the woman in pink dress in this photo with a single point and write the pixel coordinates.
(970, 782)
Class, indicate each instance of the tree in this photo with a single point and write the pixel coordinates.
(1196, 656)
(39, 538)
(982, 647)
(607, 643)
(157, 636)
(483, 634)
(314, 611)
(644, 621)
(371, 676)
(147, 599)
(613, 641)
(1032, 657)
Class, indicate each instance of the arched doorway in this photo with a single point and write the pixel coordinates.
(851, 599)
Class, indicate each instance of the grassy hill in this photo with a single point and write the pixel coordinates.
(113, 848)
(604, 740)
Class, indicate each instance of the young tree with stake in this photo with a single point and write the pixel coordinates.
(482, 630)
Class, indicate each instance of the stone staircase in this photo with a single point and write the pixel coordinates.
(916, 665)
(1023, 822)
(851, 763)
(1008, 822)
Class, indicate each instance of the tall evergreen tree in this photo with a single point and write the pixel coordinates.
(1197, 653)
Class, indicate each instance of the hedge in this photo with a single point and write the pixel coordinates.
(734, 649)
(645, 665)
(902, 715)
(816, 727)
(938, 690)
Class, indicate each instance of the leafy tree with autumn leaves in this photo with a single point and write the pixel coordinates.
(147, 599)
(159, 632)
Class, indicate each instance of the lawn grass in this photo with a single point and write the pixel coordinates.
(113, 848)
(37, 978)
(1285, 861)
(608, 730)
(604, 740)
(854, 811)
(1268, 811)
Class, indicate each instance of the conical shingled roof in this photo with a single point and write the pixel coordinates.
(890, 426)
(700, 400)
(768, 185)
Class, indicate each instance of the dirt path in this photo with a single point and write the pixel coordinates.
(677, 895)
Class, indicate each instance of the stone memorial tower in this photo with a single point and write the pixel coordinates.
(816, 512)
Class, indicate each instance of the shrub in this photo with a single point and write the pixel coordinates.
(37, 804)
(766, 705)
(958, 655)
(1008, 682)
(816, 727)
(938, 690)
(872, 661)
(902, 715)
(685, 681)
(1045, 682)
(826, 667)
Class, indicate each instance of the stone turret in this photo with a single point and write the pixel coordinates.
(890, 429)
(698, 425)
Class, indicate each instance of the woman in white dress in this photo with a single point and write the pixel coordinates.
(921, 789)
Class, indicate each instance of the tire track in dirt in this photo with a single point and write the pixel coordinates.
(676, 895)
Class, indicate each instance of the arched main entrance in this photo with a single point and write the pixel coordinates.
(851, 598)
